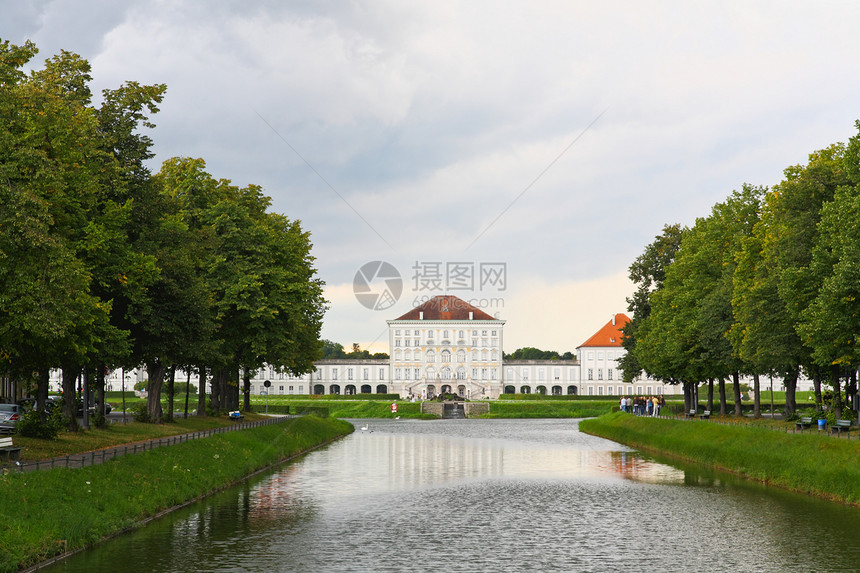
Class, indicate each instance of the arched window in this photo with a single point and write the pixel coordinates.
(431, 356)
(398, 355)
(446, 373)
(461, 356)
(431, 373)
(446, 356)
(461, 373)
(407, 355)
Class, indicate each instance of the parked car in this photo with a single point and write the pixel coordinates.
(9, 416)
(92, 409)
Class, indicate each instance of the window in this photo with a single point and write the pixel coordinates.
(291, 388)
(365, 374)
(600, 373)
(396, 333)
(556, 374)
(494, 333)
(541, 374)
(590, 376)
(600, 356)
(397, 373)
(397, 342)
(382, 373)
(334, 373)
(349, 373)
(609, 374)
(417, 333)
(525, 374)
(600, 390)
(591, 355)
(431, 356)
(446, 356)
(461, 356)
(301, 389)
(483, 373)
(406, 342)
(406, 371)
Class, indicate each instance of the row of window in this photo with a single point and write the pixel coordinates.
(431, 332)
(610, 355)
(483, 342)
(609, 373)
(446, 355)
(444, 374)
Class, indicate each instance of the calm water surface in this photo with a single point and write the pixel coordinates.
(488, 495)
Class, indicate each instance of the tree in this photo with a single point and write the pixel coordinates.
(648, 273)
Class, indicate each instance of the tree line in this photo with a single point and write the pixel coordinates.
(768, 284)
(104, 264)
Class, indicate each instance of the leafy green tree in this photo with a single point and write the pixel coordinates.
(647, 272)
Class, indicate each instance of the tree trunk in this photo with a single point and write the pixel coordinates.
(837, 390)
(70, 376)
(816, 384)
(42, 392)
(232, 387)
(710, 394)
(171, 394)
(217, 387)
(246, 392)
(723, 406)
(155, 372)
(187, 391)
(86, 396)
(201, 391)
(790, 383)
(688, 396)
(736, 385)
(100, 394)
(757, 396)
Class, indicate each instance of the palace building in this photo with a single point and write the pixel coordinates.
(447, 345)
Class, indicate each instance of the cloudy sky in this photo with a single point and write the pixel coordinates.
(545, 143)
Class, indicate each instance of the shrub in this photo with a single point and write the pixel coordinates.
(31, 424)
(140, 412)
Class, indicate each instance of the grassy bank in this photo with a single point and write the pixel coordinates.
(548, 409)
(46, 513)
(808, 463)
(116, 434)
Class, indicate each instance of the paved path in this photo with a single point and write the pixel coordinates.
(99, 456)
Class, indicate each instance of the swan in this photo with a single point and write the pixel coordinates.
(364, 427)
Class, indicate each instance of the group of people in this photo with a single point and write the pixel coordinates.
(642, 406)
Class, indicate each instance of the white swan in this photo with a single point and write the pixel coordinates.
(364, 427)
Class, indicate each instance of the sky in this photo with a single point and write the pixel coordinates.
(519, 155)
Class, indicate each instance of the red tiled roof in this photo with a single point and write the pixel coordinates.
(446, 307)
(610, 334)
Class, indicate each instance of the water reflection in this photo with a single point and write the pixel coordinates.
(479, 495)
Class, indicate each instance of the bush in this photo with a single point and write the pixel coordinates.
(32, 426)
(140, 413)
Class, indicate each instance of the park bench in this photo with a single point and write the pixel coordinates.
(8, 451)
(804, 422)
(705, 415)
(691, 414)
(840, 426)
(236, 415)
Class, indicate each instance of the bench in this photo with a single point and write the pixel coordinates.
(804, 422)
(236, 415)
(840, 426)
(691, 414)
(8, 451)
(705, 415)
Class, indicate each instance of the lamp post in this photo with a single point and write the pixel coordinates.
(268, 385)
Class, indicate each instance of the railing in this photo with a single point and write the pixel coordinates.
(101, 456)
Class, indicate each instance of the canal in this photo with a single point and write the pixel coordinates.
(487, 495)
